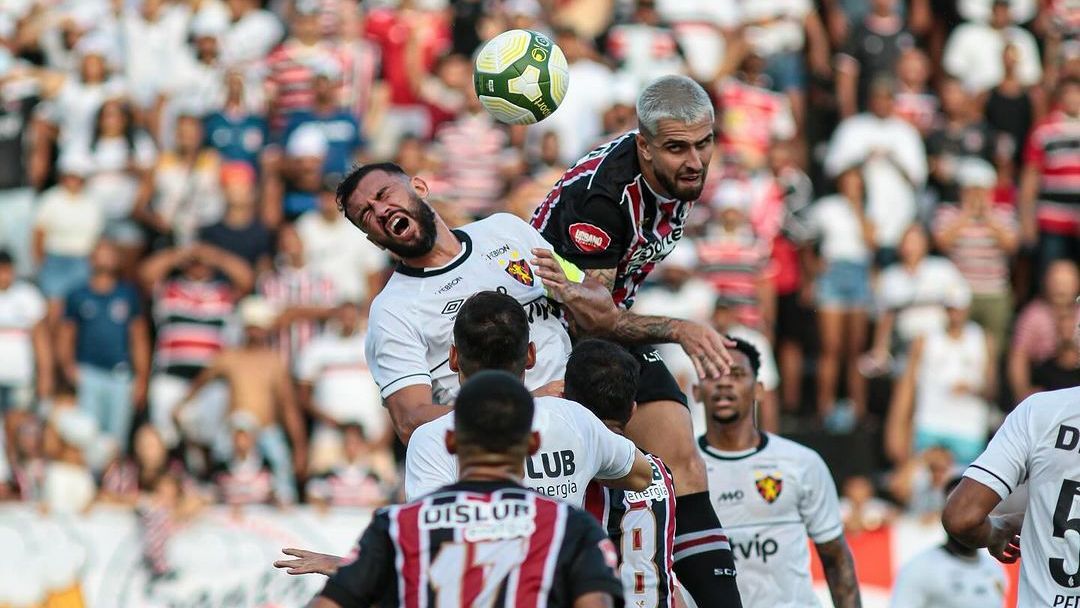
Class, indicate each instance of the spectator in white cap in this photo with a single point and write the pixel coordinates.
(301, 174)
(252, 32)
(980, 238)
(943, 398)
(338, 123)
(67, 224)
(198, 81)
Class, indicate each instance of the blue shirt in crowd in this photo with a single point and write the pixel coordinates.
(237, 138)
(103, 322)
(342, 132)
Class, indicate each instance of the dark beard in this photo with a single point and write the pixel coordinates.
(424, 216)
(669, 185)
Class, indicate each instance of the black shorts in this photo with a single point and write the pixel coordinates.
(794, 321)
(655, 382)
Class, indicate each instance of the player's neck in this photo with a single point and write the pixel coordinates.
(493, 471)
(737, 436)
(650, 177)
(447, 247)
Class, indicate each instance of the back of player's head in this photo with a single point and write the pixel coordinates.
(603, 377)
(491, 332)
(751, 352)
(348, 185)
(675, 98)
(493, 413)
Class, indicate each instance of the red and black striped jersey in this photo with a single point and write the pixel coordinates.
(603, 214)
(642, 527)
(477, 544)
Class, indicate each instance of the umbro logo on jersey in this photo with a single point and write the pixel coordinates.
(453, 306)
(589, 238)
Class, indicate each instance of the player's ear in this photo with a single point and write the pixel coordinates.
(643, 145)
(420, 186)
(453, 362)
(451, 441)
(534, 442)
(759, 391)
(530, 357)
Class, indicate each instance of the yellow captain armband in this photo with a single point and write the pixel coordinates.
(572, 272)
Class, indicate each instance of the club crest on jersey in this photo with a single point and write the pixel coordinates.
(589, 238)
(769, 485)
(518, 268)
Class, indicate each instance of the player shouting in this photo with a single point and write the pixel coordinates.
(485, 540)
(615, 214)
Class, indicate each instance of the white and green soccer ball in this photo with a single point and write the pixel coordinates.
(521, 77)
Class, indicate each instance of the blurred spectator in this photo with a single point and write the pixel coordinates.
(238, 133)
(160, 511)
(577, 122)
(301, 175)
(252, 32)
(18, 176)
(336, 388)
(961, 135)
(893, 163)
(981, 11)
(339, 125)
(68, 222)
(261, 402)
(751, 117)
(943, 397)
(1012, 107)
(915, 102)
(199, 82)
(475, 160)
(735, 261)
(246, 477)
(75, 97)
(782, 32)
(104, 346)
(241, 231)
(845, 246)
(26, 362)
(123, 158)
(335, 249)
(1036, 335)
(972, 51)
(872, 51)
(445, 90)
(860, 509)
(300, 62)
(194, 290)
(910, 299)
(1063, 370)
(186, 193)
(919, 483)
(980, 237)
(300, 293)
(644, 47)
(1048, 202)
(67, 485)
(159, 31)
(25, 458)
(358, 479)
(706, 29)
(125, 479)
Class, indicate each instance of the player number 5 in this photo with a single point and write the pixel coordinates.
(1070, 489)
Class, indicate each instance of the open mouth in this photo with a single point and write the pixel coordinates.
(690, 178)
(398, 225)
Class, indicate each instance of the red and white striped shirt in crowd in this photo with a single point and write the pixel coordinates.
(1036, 331)
(473, 150)
(735, 263)
(1054, 149)
(190, 317)
(752, 118)
(245, 481)
(351, 485)
(290, 76)
(290, 287)
(919, 109)
(975, 251)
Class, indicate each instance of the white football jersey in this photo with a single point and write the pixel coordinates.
(575, 448)
(1040, 443)
(772, 499)
(936, 578)
(412, 320)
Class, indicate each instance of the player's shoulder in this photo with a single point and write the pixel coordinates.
(793, 453)
(497, 223)
(575, 415)
(432, 430)
(1050, 406)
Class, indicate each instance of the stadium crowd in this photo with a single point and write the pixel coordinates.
(893, 218)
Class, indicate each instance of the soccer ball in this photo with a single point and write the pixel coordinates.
(521, 76)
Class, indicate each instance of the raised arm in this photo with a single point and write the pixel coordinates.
(839, 567)
(238, 271)
(159, 265)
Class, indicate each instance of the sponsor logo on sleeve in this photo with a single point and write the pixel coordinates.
(589, 238)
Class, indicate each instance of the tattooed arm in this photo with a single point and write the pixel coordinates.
(705, 347)
(839, 569)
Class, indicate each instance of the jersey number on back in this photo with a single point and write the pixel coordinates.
(638, 570)
(1070, 490)
(470, 574)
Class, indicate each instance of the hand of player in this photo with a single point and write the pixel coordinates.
(308, 562)
(589, 301)
(705, 347)
(1004, 542)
